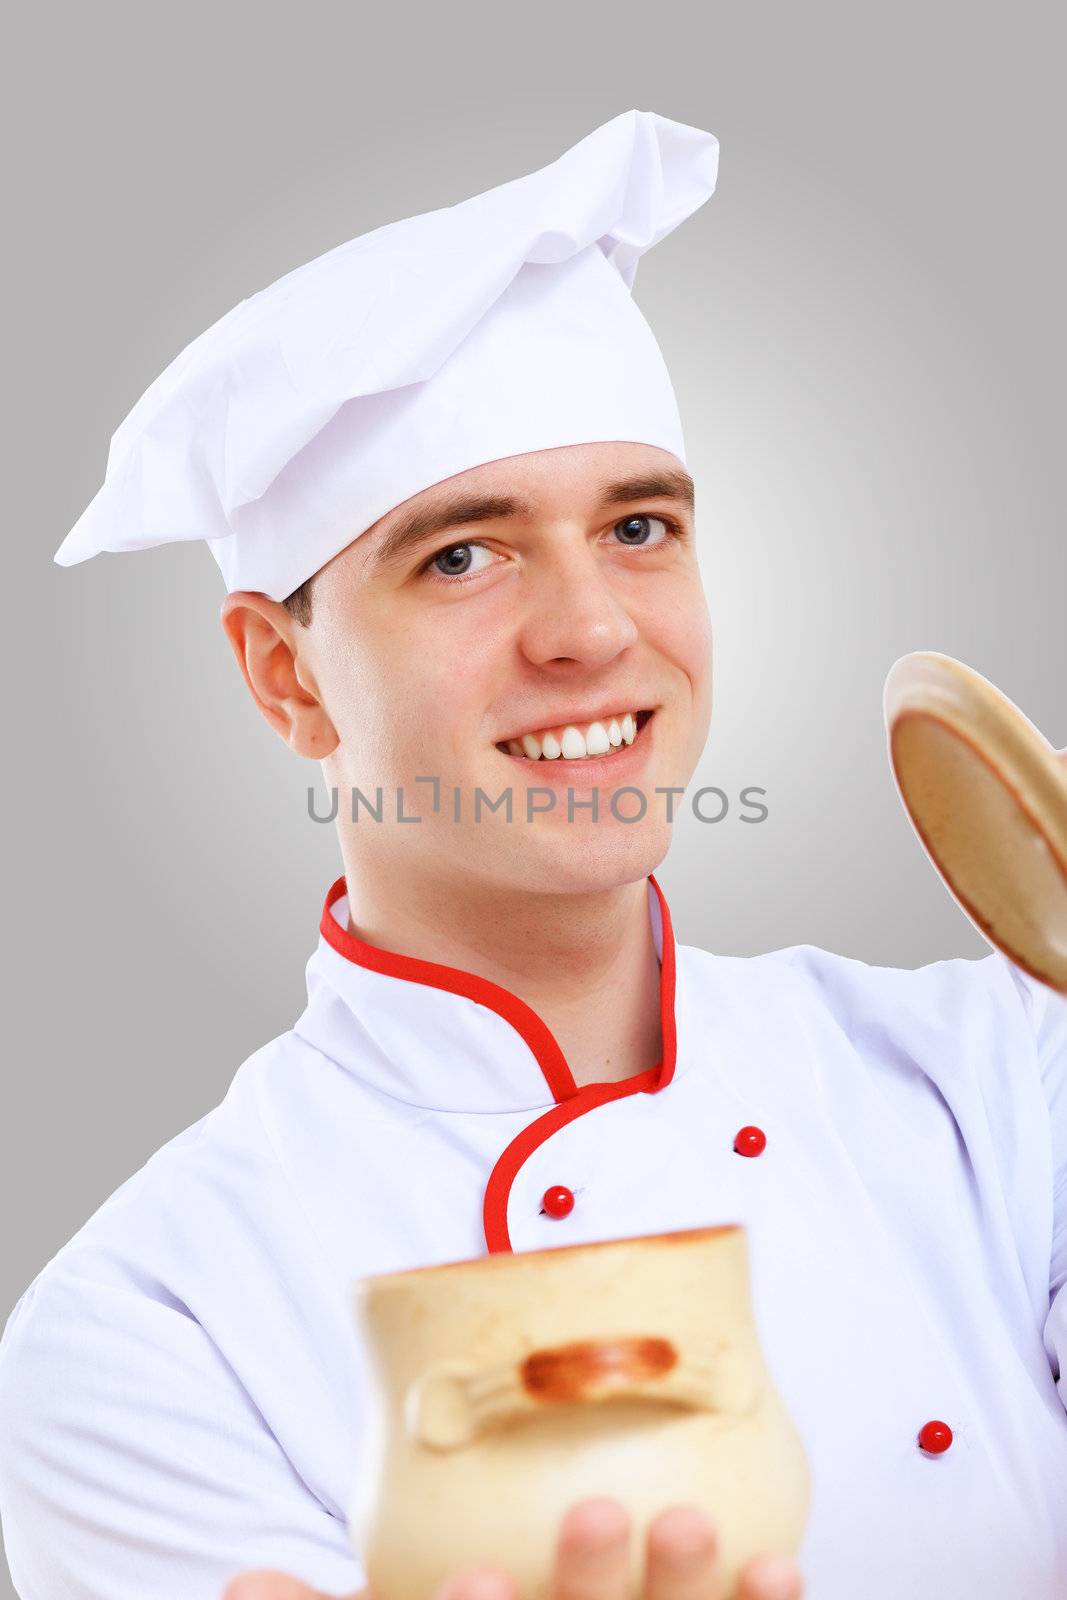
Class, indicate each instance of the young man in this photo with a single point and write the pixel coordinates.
(460, 429)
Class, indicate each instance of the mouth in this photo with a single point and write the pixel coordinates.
(573, 743)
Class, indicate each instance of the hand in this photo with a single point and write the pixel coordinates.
(592, 1563)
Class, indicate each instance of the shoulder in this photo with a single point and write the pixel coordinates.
(860, 997)
(206, 1197)
(199, 1166)
(133, 1381)
(976, 1027)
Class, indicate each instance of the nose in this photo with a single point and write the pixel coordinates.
(572, 612)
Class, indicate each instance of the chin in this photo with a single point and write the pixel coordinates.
(588, 859)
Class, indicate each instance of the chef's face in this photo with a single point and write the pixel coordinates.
(465, 630)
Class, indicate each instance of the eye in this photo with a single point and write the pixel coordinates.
(455, 563)
(635, 530)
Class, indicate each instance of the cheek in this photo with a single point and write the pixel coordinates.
(694, 634)
(398, 676)
(455, 671)
(685, 640)
(445, 706)
(408, 709)
(363, 697)
(681, 631)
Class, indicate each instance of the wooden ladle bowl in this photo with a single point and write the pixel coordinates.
(987, 796)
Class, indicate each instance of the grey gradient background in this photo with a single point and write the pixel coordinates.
(865, 331)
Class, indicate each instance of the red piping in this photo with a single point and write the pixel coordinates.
(503, 1175)
(571, 1101)
(523, 1018)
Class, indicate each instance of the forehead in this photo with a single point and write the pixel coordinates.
(572, 478)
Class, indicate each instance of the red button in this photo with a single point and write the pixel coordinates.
(750, 1142)
(557, 1201)
(935, 1438)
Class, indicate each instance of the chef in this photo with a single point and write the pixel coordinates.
(442, 471)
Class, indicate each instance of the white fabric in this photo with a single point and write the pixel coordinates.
(182, 1391)
(1049, 1019)
(497, 326)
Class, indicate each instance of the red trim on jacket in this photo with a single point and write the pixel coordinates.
(503, 1175)
(523, 1018)
(571, 1101)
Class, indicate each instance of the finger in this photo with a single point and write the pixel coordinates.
(593, 1552)
(275, 1586)
(771, 1578)
(681, 1556)
(478, 1583)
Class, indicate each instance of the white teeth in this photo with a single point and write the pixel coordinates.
(571, 744)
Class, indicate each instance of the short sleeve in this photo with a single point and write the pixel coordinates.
(133, 1463)
(1048, 1015)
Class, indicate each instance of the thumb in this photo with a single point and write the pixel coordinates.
(476, 1583)
(278, 1586)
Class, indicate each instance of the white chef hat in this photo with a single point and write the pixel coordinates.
(486, 329)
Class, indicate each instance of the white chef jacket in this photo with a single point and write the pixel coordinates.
(183, 1392)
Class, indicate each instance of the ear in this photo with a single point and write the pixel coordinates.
(273, 660)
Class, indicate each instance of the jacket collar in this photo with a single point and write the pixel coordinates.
(445, 1039)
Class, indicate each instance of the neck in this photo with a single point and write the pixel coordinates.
(585, 962)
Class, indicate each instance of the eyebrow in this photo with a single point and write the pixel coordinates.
(459, 510)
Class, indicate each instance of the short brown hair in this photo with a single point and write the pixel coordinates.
(298, 604)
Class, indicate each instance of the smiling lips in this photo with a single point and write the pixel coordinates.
(573, 742)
